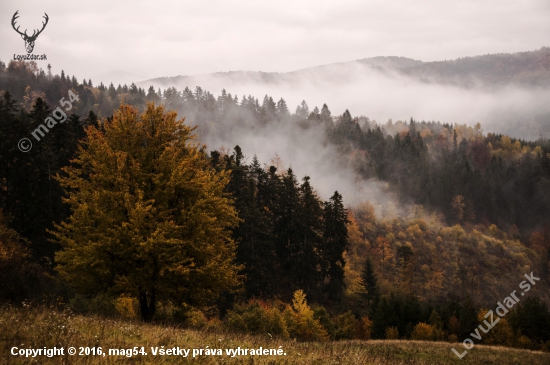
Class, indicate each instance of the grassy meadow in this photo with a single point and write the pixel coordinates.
(39, 327)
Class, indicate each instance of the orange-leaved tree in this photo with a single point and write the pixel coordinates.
(149, 217)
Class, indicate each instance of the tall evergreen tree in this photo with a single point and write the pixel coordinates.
(335, 243)
(302, 110)
(254, 237)
(282, 109)
(286, 221)
(33, 198)
(268, 111)
(308, 245)
(369, 281)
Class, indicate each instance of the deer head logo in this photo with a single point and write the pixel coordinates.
(29, 40)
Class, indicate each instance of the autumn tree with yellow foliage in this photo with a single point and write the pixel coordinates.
(149, 218)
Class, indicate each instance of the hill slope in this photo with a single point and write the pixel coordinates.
(523, 68)
(38, 328)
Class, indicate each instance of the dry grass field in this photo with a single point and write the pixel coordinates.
(39, 328)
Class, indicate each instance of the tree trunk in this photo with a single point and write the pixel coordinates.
(147, 303)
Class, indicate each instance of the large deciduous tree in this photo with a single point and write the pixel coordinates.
(149, 216)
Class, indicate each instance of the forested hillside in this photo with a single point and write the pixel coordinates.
(506, 92)
(100, 194)
(501, 180)
(495, 70)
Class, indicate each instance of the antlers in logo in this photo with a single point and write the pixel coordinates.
(29, 40)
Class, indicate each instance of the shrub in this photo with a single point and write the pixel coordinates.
(321, 314)
(422, 331)
(363, 329)
(501, 334)
(168, 311)
(100, 304)
(392, 333)
(20, 278)
(345, 326)
(454, 326)
(524, 342)
(126, 307)
(257, 318)
(195, 319)
(437, 326)
(300, 321)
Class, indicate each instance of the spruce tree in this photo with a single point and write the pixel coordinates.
(308, 246)
(268, 112)
(282, 109)
(369, 281)
(325, 114)
(335, 239)
(253, 235)
(286, 221)
(302, 110)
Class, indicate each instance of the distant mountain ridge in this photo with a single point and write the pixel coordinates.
(522, 68)
(379, 63)
(531, 69)
(118, 77)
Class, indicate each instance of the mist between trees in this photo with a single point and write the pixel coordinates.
(439, 216)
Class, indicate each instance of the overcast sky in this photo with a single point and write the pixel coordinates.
(168, 38)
